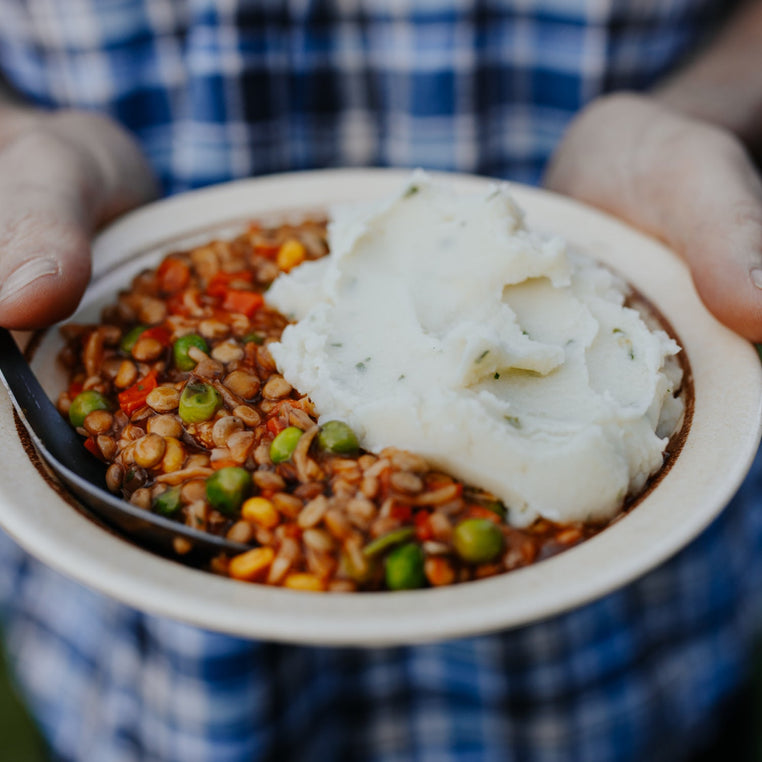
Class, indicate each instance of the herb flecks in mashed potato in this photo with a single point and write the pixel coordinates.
(525, 372)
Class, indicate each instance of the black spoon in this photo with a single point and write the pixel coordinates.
(63, 450)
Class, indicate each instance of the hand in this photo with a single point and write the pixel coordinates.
(62, 175)
(683, 180)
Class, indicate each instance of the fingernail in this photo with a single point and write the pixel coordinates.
(26, 274)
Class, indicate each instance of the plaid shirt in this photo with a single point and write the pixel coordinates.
(219, 90)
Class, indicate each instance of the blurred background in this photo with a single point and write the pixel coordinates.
(741, 739)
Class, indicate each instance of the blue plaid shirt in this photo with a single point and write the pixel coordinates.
(219, 90)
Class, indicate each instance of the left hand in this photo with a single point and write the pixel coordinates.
(687, 182)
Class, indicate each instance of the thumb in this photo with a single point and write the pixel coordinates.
(712, 216)
(684, 181)
(59, 181)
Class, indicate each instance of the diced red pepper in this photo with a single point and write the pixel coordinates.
(134, 397)
(176, 304)
(219, 283)
(223, 463)
(173, 275)
(75, 387)
(158, 332)
(401, 512)
(423, 530)
(91, 445)
(245, 302)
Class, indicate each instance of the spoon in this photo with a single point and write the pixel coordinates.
(62, 449)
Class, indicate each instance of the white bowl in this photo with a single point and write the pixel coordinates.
(717, 452)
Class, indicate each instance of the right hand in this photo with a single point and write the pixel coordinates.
(62, 176)
(684, 180)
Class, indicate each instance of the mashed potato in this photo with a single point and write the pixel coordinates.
(440, 324)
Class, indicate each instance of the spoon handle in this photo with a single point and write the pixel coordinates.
(52, 434)
(61, 447)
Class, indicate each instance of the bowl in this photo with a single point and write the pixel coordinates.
(716, 452)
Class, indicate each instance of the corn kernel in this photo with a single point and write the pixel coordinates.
(290, 254)
(260, 511)
(304, 582)
(174, 455)
(251, 564)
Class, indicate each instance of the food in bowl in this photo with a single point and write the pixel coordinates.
(209, 408)
(441, 324)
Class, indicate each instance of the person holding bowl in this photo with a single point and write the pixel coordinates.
(650, 111)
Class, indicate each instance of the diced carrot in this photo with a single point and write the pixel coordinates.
(401, 512)
(270, 251)
(275, 425)
(173, 275)
(244, 302)
(134, 397)
(303, 403)
(439, 571)
(480, 512)
(219, 283)
(423, 530)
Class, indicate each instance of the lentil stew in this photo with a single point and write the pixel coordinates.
(177, 392)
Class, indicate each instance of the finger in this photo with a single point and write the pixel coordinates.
(687, 183)
(45, 260)
(57, 184)
(715, 222)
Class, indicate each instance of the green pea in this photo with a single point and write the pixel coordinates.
(337, 437)
(84, 403)
(198, 402)
(388, 540)
(227, 488)
(180, 350)
(129, 338)
(283, 446)
(404, 568)
(257, 338)
(168, 502)
(478, 541)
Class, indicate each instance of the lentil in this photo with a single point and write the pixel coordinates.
(98, 422)
(149, 450)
